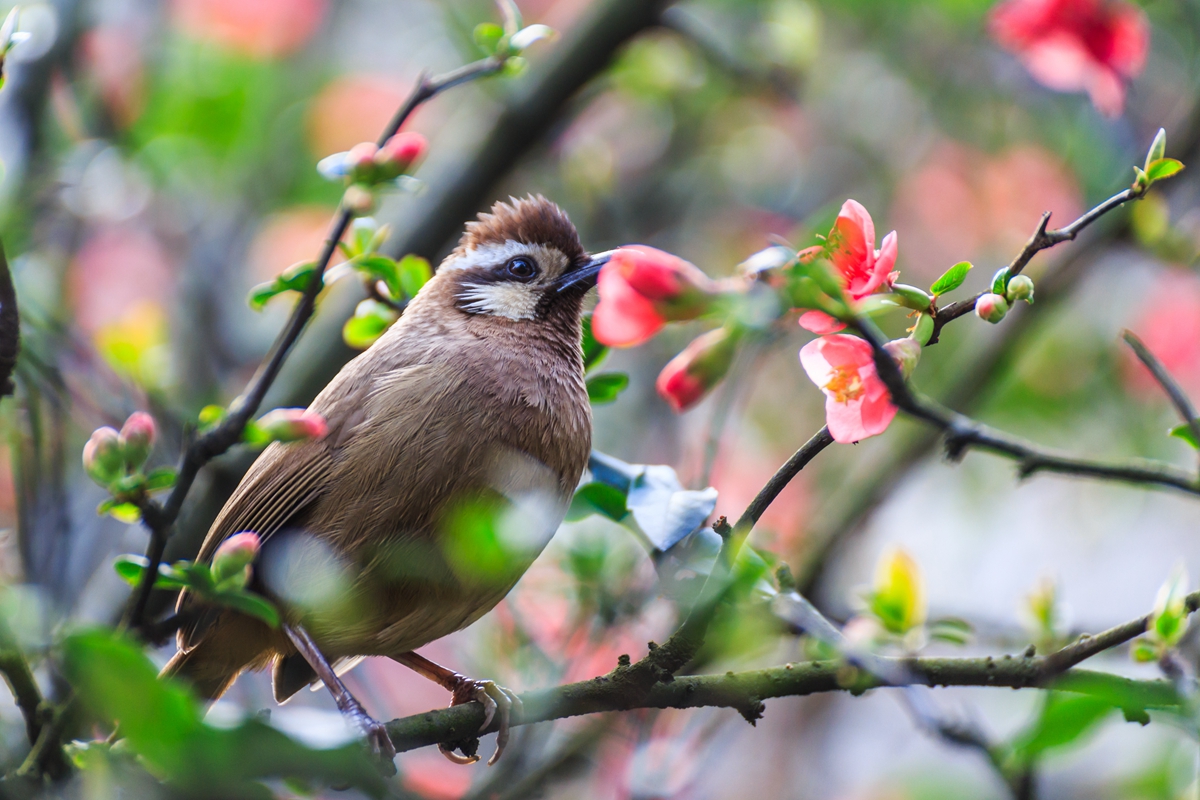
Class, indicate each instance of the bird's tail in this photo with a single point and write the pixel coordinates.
(234, 644)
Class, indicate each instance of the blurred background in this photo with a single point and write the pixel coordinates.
(159, 161)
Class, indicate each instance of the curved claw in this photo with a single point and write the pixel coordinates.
(498, 704)
(454, 757)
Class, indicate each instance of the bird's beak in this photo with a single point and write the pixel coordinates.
(584, 277)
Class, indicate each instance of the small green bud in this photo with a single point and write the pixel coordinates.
(922, 331)
(1158, 148)
(103, 458)
(911, 297)
(137, 439)
(1020, 288)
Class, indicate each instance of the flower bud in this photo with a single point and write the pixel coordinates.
(400, 153)
(922, 330)
(677, 288)
(911, 297)
(991, 308)
(137, 439)
(102, 456)
(1158, 148)
(291, 425)
(359, 200)
(906, 353)
(898, 598)
(690, 375)
(361, 159)
(235, 555)
(1020, 287)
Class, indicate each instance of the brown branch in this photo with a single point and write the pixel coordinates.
(19, 678)
(1041, 239)
(160, 518)
(1174, 391)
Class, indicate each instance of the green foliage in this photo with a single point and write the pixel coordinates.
(199, 579)
(295, 278)
(598, 498)
(605, 387)
(1064, 720)
(952, 278)
(370, 321)
(593, 351)
(1185, 433)
(161, 722)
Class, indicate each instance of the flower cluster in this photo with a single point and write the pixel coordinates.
(367, 166)
(1077, 45)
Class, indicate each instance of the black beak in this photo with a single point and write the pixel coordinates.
(585, 277)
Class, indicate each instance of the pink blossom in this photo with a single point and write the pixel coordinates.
(819, 322)
(862, 268)
(1077, 45)
(401, 152)
(857, 404)
(235, 555)
(103, 457)
(641, 289)
(291, 425)
(137, 438)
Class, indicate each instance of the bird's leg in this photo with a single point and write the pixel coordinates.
(376, 733)
(497, 702)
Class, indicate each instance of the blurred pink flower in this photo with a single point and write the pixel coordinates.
(962, 203)
(351, 109)
(857, 404)
(255, 28)
(117, 270)
(1169, 324)
(852, 249)
(819, 322)
(1077, 45)
(113, 57)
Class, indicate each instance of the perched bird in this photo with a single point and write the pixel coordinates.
(454, 445)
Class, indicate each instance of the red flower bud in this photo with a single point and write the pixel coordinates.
(102, 456)
(361, 159)
(991, 308)
(137, 439)
(235, 555)
(690, 375)
(641, 289)
(400, 153)
(291, 425)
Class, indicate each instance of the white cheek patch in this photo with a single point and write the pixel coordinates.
(503, 299)
(551, 261)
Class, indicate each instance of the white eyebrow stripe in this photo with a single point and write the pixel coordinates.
(515, 301)
(494, 254)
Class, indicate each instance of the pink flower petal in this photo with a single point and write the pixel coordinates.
(623, 318)
(820, 322)
(844, 421)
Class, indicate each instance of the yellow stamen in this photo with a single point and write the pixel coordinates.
(845, 384)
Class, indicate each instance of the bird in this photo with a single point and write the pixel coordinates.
(454, 445)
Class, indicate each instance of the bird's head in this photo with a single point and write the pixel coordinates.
(522, 262)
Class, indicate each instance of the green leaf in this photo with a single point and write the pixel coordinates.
(593, 351)
(951, 279)
(1163, 168)
(294, 279)
(161, 478)
(414, 273)
(360, 332)
(487, 36)
(161, 721)
(951, 630)
(251, 604)
(381, 268)
(1064, 720)
(124, 512)
(130, 568)
(211, 415)
(598, 498)
(1185, 432)
(605, 387)
(1000, 282)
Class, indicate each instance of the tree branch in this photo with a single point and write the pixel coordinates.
(19, 678)
(159, 518)
(1169, 385)
(1041, 239)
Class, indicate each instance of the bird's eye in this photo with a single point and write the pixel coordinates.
(521, 268)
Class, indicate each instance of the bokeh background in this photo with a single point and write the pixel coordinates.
(159, 160)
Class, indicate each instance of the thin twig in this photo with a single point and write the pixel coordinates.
(1041, 239)
(160, 518)
(1179, 398)
(19, 677)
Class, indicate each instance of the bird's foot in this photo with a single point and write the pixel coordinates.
(374, 730)
(498, 703)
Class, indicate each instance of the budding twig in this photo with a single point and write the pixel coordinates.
(1179, 398)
